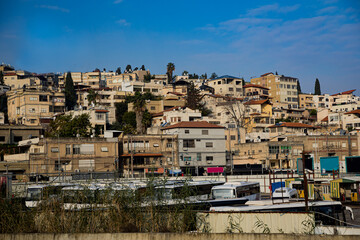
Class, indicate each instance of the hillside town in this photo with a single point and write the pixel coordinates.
(134, 123)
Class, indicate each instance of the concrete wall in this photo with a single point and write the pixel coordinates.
(172, 236)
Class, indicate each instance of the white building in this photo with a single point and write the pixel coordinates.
(201, 146)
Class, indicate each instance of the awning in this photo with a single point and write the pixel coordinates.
(215, 169)
(175, 171)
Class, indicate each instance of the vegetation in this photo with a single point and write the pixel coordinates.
(92, 96)
(147, 77)
(193, 100)
(185, 73)
(213, 75)
(170, 68)
(193, 76)
(126, 211)
(317, 87)
(142, 68)
(1, 78)
(313, 112)
(68, 126)
(298, 87)
(128, 68)
(118, 71)
(70, 94)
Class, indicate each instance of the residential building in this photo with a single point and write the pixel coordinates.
(201, 146)
(282, 130)
(175, 115)
(152, 153)
(12, 134)
(306, 101)
(227, 85)
(351, 120)
(257, 92)
(32, 106)
(282, 89)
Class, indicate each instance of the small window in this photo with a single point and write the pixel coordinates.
(169, 145)
(54, 149)
(209, 158)
(187, 158)
(104, 149)
(205, 132)
(152, 107)
(198, 156)
(33, 121)
(76, 149)
(2, 138)
(209, 144)
(187, 131)
(68, 149)
(232, 137)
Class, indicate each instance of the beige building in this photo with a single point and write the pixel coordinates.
(16, 81)
(31, 106)
(282, 130)
(257, 92)
(144, 154)
(227, 86)
(282, 89)
(306, 101)
(73, 155)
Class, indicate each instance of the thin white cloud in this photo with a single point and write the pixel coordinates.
(272, 8)
(56, 8)
(118, 1)
(327, 10)
(123, 22)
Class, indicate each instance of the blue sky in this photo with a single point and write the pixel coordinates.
(304, 39)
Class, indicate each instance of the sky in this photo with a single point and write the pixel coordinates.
(306, 39)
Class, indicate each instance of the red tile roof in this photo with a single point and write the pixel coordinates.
(344, 93)
(255, 102)
(292, 125)
(266, 74)
(254, 85)
(357, 111)
(201, 124)
(10, 74)
(176, 93)
(325, 119)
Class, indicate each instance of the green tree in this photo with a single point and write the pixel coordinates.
(147, 120)
(317, 87)
(193, 97)
(298, 87)
(170, 68)
(185, 73)
(68, 126)
(128, 68)
(147, 77)
(142, 68)
(193, 76)
(70, 94)
(120, 109)
(313, 112)
(92, 96)
(213, 75)
(118, 71)
(1, 78)
(129, 122)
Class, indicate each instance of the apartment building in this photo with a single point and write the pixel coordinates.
(32, 106)
(306, 101)
(167, 102)
(175, 115)
(282, 89)
(352, 120)
(16, 81)
(333, 149)
(227, 85)
(282, 130)
(149, 154)
(201, 146)
(54, 155)
(257, 92)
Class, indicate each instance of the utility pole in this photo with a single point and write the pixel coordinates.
(132, 157)
(305, 182)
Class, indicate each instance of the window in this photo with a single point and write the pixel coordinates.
(2, 138)
(209, 158)
(100, 116)
(152, 107)
(32, 121)
(189, 143)
(54, 149)
(187, 158)
(76, 149)
(43, 110)
(68, 149)
(198, 156)
(169, 145)
(33, 98)
(187, 131)
(231, 89)
(205, 132)
(104, 149)
(209, 144)
(232, 137)
(17, 110)
(43, 98)
(273, 149)
(17, 138)
(31, 110)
